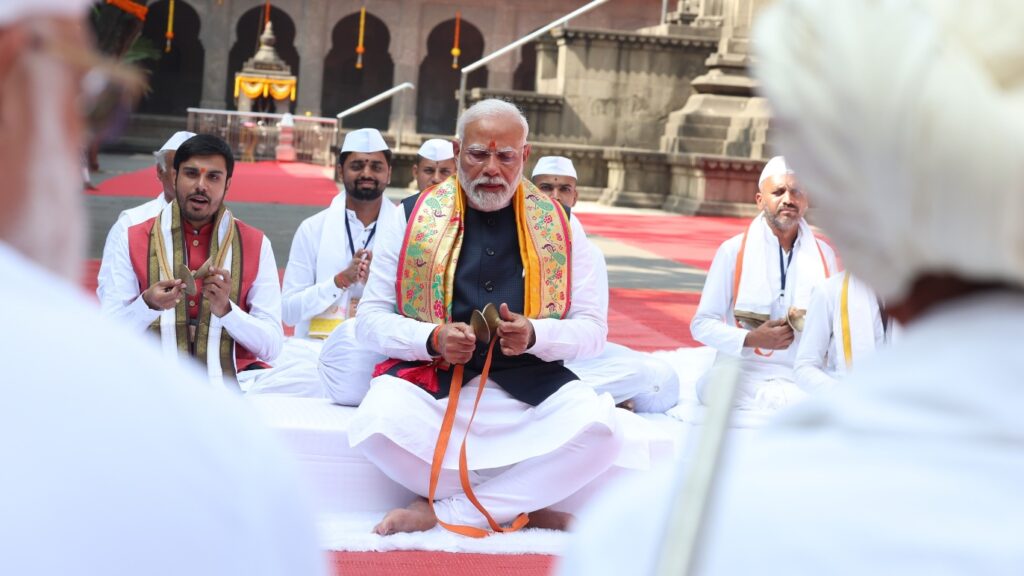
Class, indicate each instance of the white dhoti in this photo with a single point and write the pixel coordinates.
(521, 458)
(346, 366)
(762, 387)
(294, 372)
(650, 382)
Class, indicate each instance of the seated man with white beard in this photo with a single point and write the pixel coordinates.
(757, 292)
(487, 238)
(636, 381)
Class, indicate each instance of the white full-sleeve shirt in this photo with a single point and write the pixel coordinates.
(127, 464)
(258, 330)
(304, 295)
(816, 361)
(125, 220)
(580, 335)
(714, 323)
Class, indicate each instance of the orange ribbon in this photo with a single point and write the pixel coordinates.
(442, 446)
(137, 10)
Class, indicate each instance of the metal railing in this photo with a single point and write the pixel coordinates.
(374, 100)
(254, 135)
(502, 51)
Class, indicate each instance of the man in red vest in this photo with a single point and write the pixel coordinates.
(204, 281)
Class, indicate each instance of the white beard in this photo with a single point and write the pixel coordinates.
(51, 230)
(488, 201)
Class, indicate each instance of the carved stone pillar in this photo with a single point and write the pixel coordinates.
(723, 117)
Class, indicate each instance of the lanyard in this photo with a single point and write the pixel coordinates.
(351, 244)
(784, 266)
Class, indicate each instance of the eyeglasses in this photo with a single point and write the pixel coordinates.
(107, 89)
(477, 154)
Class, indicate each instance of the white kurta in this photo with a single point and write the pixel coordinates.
(912, 468)
(767, 382)
(397, 423)
(319, 251)
(125, 220)
(124, 464)
(820, 361)
(258, 330)
(650, 382)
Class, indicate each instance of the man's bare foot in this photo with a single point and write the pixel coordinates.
(550, 519)
(415, 517)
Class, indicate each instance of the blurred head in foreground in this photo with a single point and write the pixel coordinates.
(909, 140)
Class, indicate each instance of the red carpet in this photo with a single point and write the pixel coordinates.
(689, 240)
(413, 563)
(265, 182)
(651, 319)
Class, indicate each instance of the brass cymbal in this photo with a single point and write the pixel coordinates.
(485, 323)
(479, 325)
(181, 272)
(796, 318)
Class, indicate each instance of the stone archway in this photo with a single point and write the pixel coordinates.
(436, 90)
(344, 85)
(525, 75)
(247, 42)
(175, 77)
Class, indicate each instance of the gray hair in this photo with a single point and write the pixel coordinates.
(490, 108)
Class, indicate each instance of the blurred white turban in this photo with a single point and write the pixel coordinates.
(905, 120)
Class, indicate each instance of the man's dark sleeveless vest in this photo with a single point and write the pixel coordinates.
(490, 269)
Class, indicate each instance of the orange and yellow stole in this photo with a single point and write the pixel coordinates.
(433, 239)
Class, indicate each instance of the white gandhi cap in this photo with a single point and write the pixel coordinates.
(364, 140)
(777, 166)
(437, 150)
(177, 140)
(13, 10)
(554, 166)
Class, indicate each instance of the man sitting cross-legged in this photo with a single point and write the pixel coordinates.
(327, 269)
(540, 435)
(844, 322)
(637, 381)
(758, 289)
(229, 318)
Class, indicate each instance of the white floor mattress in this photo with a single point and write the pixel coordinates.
(347, 485)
